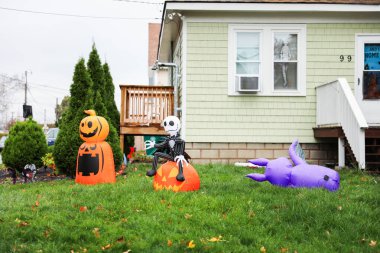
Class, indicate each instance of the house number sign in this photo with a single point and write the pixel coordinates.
(349, 58)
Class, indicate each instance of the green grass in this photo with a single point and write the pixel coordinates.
(130, 215)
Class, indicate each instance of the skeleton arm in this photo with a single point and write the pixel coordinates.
(152, 144)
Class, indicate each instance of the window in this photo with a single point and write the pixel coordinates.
(267, 60)
(371, 72)
(247, 61)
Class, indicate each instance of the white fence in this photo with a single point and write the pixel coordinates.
(337, 106)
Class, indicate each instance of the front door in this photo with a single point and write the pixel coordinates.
(367, 88)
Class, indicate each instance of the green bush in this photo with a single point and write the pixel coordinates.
(25, 144)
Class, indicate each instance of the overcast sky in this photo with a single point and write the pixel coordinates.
(49, 45)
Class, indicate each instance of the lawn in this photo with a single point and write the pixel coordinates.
(230, 213)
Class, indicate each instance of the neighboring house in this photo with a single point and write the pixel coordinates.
(142, 105)
(157, 76)
(248, 73)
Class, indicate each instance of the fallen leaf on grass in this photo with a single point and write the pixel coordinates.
(251, 214)
(263, 249)
(216, 239)
(37, 204)
(128, 251)
(188, 216)
(120, 239)
(284, 250)
(21, 223)
(373, 243)
(170, 243)
(83, 209)
(47, 233)
(191, 244)
(96, 232)
(339, 208)
(363, 179)
(106, 247)
(124, 220)
(134, 169)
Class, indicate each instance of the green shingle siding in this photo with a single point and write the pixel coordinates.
(213, 116)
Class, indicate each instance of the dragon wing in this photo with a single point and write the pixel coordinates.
(296, 153)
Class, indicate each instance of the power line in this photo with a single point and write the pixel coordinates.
(47, 86)
(74, 15)
(33, 84)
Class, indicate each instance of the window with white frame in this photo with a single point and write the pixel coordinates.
(267, 60)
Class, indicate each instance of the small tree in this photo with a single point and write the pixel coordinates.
(109, 98)
(68, 140)
(61, 109)
(26, 144)
(102, 94)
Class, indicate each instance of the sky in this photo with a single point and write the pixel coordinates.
(46, 38)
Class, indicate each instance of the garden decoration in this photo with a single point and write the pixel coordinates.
(281, 172)
(13, 174)
(95, 162)
(165, 178)
(29, 172)
(176, 174)
(249, 165)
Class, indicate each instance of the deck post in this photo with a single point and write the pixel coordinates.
(122, 142)
(341, 154)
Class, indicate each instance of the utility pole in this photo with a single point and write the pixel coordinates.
(27, 110)
(56, 111)
(26, 86)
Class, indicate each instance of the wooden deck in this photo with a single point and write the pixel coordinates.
(143, 108)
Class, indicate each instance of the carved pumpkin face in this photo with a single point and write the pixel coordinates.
(165, 178)
(90, 156)
(95, 164)
(93, 128)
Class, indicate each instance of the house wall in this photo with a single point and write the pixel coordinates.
(228, 129)
(214, 117)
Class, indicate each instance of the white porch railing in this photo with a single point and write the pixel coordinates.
(337, 106)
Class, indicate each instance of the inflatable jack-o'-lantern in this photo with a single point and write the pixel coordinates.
(95, 162)
(165, 178)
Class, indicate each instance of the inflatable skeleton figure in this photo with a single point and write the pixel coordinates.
(172, 148)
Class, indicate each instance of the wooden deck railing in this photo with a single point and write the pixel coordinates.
(145, 105)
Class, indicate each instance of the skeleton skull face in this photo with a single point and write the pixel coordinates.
(172, 125)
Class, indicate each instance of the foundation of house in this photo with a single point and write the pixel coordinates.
(229, 153)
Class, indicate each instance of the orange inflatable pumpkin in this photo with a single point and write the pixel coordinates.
(95, 162)
(93, 128)
(165, 178)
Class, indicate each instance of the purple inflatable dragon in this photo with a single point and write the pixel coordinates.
(281, 172)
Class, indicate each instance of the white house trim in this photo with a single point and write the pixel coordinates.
(296, 18)
(279, 7)
(184, 76)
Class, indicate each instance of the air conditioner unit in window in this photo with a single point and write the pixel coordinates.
(246, 84)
